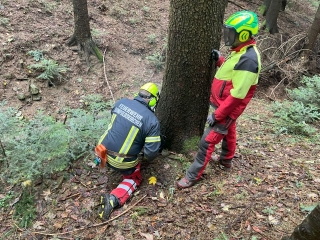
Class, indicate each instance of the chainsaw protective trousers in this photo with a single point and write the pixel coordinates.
(128, 185)
(211, 137)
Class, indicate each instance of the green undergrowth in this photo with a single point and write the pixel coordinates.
(31, 148)
(42, 145)
(300, 116)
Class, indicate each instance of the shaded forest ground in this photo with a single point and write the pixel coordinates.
(275, 178)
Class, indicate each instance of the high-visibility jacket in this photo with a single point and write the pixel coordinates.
(133, 126)
(235, 81)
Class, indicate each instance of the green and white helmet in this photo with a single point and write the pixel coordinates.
(245, 23)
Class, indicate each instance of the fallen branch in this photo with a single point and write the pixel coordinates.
(105, 75)
(94, 225)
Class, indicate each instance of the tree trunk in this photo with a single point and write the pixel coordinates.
(82, 34)
(270, 23)
(265, 7)
(309, 229)
(194, 30)
(313, 32)
(283, 5)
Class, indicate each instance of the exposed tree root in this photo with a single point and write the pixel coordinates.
(88, 46)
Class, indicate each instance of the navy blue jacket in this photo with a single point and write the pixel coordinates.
(133, 126)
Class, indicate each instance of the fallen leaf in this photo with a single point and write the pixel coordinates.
(161, 195)
(152, 180)
(58, 225)
(256, 229)
(148, 236)
(26, 183)
(273, 220)
(38, 225)
(46, 195)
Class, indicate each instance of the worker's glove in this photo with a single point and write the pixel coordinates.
(215, 55)
(211, 120)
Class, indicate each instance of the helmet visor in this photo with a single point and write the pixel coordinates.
(229, 35)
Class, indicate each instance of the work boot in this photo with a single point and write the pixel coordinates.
(223, 164)
(185, 183)
(108, 203)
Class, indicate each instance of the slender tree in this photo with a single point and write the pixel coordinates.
(271, 9)
(313, 32)
(194, 30)
(309, 229)
(82, 34)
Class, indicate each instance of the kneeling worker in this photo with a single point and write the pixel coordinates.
(133, 126)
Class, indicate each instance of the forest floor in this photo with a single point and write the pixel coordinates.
(275, 178)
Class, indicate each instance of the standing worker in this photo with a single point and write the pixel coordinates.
(133, 126)
(232, 88)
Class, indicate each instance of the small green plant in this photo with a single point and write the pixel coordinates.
(308, 209)
(299, 184)
(308, 93)
(269, 210)
(171, 193)
(298, 116)
(222, 236)
(243, 195)
(4, 202)
(36, 54)
(157, 60)
(50, 69)
(48, 5)
(4, 21)
(25, 211)
(146, 10)
(139, 211)
(152, 38)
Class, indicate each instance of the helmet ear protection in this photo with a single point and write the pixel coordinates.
(152, 101)
(150, 91)
(244, 35)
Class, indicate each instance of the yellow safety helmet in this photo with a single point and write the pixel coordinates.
(153, 91)
(245, 23)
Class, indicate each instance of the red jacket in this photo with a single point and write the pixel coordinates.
(235, 81)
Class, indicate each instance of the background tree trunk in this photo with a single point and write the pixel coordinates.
(82, 34)
(309, 229)
(313, 32)
(272, 16)
(265, 7)
(194, 30)
(283, 5)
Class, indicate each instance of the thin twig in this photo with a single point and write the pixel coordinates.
(272, 92)
(4, 152)
(105, 75)
(76, 177)
(94, 225)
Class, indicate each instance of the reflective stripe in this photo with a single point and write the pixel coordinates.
(119, 163)
(126, 188)
(113, 117)
(133, 183)
(129, 140)
(153, 139)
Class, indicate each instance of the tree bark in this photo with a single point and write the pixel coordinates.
(309, 229)
(313, 32)
(272, 16)
(265, 7)
(194, 30)
(82, 34)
